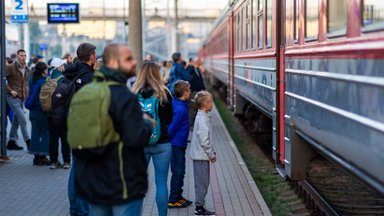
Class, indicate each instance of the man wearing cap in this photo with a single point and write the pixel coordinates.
(58, 131)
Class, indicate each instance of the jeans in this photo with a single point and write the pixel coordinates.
(58, 132)
(39, 133)
(178, 173)
(132, 208)
(77, 206)
(16, 104)
(161, 154)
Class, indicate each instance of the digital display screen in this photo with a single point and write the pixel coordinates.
(63, 13)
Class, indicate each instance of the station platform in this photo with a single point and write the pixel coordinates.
(39, 191)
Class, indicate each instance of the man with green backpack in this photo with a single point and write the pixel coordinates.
(107, 134)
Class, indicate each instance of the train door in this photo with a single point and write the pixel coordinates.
(3, 130)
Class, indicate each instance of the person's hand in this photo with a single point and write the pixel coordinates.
(146, 116)
(13, 93)
(214, 159)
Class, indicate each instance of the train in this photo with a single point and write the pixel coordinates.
(315, 69)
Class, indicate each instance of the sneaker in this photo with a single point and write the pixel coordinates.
(200, 210)
(66, 165)
(187, 202)
(177, 204)
(55, 165)
(13, 146)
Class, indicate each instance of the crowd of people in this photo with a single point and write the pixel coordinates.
(111, 123)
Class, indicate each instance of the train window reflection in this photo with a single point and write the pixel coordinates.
(337, 15)
(242, 29)
(238, 32)
(260, 24)
(311, 19)
(373, 13)
(297, 20)
(247, 26)
(254, 23)
(269, 23)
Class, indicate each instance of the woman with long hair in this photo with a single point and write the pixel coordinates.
(40, 134)
(149, 83)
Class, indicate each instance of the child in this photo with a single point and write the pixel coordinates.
(201, 150)
(178, 132)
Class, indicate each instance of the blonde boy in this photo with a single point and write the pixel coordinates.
(201, 150)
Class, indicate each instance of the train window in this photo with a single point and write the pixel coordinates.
(337, 16)
(297, 20)
(269, 22)
(312, 19)
(254, 23)
(260, 24)
(373, 17)
(242, 29)
(247, 25)
(238, 32)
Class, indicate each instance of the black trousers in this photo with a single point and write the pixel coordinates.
(58, 132)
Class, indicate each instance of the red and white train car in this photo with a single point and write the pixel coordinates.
(316, 69)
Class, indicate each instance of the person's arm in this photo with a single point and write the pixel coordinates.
(128, 119)
(203, 135)
(8, 71)
(176, 123)
(166, 110)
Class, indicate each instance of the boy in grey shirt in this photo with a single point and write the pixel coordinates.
(201, 150)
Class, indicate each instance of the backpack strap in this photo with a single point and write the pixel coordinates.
(100, 77)
(56, 79)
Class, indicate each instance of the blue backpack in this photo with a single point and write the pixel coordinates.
(150, 106)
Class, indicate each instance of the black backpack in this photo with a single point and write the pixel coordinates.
(61, 99)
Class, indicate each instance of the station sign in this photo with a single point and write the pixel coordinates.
(63, 13)
(43, 46)
(19, 13)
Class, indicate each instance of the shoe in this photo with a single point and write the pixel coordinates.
(36, 162)
(66, 165)
(200, 210)
(4, 158)
(41, 161)
(13, 146)
(28, 143)
(55, 165)
(187, 202)
(45, 161)
(177, 204)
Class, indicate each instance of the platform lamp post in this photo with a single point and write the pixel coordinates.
(135, 35)
(3, 129)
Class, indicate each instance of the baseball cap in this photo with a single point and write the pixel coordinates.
(57, 62)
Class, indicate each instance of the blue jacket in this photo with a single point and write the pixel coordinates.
(177, 73)
(36, 101)
(178, 130)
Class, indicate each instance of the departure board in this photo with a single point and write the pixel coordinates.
(63, 13)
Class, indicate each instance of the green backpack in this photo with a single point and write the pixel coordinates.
(89, 123)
